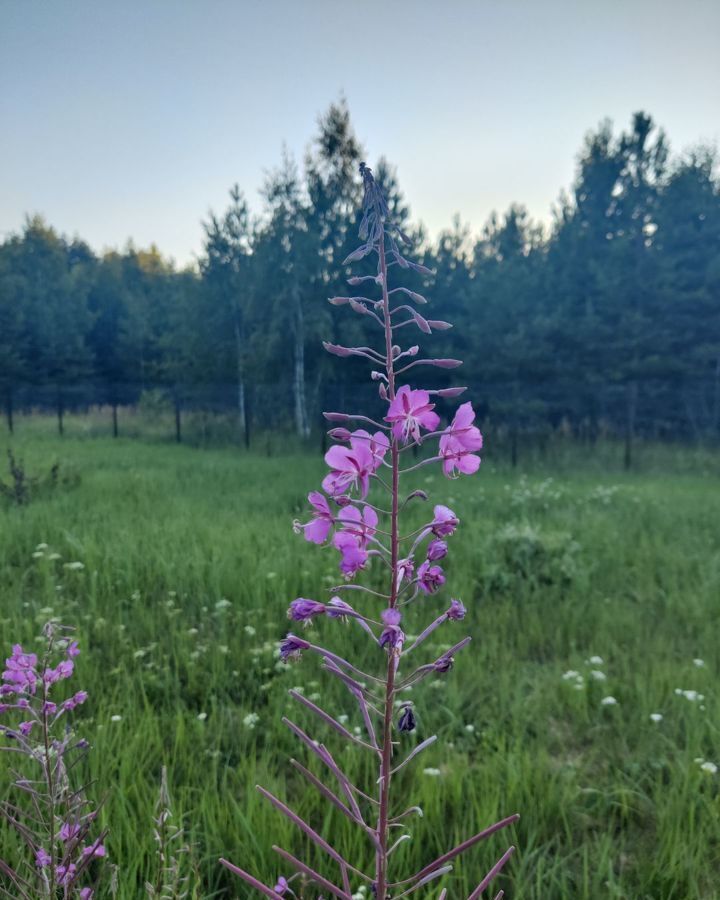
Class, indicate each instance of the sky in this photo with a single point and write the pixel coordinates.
(132, 118)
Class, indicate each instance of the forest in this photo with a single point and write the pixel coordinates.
(605, 322)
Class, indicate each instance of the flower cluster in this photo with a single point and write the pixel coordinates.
(358, 514)
(57, 826)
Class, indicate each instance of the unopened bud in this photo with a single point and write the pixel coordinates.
(445, 363)
(406, 722)
(339, 434)
(336, 349)
(450, 392)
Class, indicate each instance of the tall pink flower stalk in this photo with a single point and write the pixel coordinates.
(367, 533)
(62, 849)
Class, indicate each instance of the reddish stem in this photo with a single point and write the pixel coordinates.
(386, 750)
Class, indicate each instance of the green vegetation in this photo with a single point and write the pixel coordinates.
(188, 565)
(608, 321)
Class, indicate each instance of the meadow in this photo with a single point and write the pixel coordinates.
(582, 582)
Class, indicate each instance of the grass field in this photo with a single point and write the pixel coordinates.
(189, 563)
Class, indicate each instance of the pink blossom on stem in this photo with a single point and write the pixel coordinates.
(410, 411)
(444, 522)
(377, 443)
(392, 635)
(302, 610)
(459, 441)
(430, 578)
(436, 550)
(354, 556)
(350, 469)
(361, 525)
(318, 528)
(456, 610)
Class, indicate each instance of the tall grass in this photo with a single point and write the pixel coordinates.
(189, 562)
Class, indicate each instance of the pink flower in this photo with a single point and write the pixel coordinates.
(410, 411)
(68, 830)
(74, 701)
(318, 528)
(26, 728)
(291, 647)
(459, 441)
(436, 550)
(66, 874)
(349, 468)
(73, 650)
(96, 849)
(456, 610)
(354, 556)
(86, 893)
(404, 570)
(377, 443)
(392, 635)
(302, 610)
(42, 857)
(430, 578)
(444, 522)
(20, 672)
(361, 525)
(64, 669)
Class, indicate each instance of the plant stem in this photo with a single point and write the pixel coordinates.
(49, 778)
(386, 747)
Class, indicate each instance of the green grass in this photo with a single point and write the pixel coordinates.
(553, 570)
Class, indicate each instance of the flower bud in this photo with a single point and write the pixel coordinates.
(406, 722)
(437, 549)
(456, 611)
(444, 664)
(339, 434)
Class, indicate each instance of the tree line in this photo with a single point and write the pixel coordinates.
(607, 319)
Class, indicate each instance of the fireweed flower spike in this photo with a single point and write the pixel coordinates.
(49, 812)
(359, 516)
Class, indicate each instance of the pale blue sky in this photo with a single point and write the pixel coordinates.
(131, 118)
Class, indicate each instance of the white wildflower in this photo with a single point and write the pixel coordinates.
(595, 661)
(709, 767)
(692, 696)
(250, 631)
(598, 675)
(700, 663)
(470, 728)
(75, 566)
(251, 720)
(202, 716)
(608, 701)
(116, 718)
(571, 674)
(656, 717)
(432, 772)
